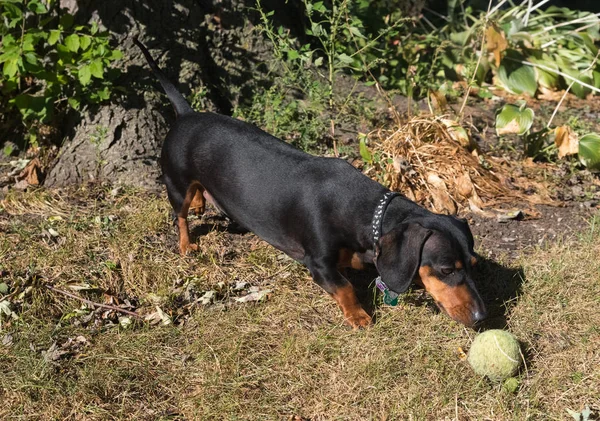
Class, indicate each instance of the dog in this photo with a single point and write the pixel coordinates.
(321, 211)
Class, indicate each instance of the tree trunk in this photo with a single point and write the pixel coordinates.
(121, 141)
(212, 46)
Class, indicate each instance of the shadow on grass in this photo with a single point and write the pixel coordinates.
(498, 285)
(219, 223)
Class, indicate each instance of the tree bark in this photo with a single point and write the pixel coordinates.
(198, 43)
(121, 141)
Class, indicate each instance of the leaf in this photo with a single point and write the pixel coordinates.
(85, 75)
(496, 42)
(580, 90)
(116, 55)
(575, 415)
(566, 141)
(5, 308)
(292, 55)
(442, 201)
(457, 132)
(356, 32)
(84, 42)
(546, 79)
(344, 58)
(589, 151)
(3, 288)
(72, 42)
(10, 67)
(319, 61)
(512, 120)
(516, 77)
(97, 69)
(157, 317)
(36, 7)
(364, 151)
(254, 296)
(66, 20)
(74, 103)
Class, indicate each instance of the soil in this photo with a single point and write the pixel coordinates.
(496, 239)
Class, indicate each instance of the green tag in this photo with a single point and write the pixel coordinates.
(390, 298)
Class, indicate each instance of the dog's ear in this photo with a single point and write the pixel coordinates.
(399, 255)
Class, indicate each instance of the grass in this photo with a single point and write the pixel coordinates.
(287, 356)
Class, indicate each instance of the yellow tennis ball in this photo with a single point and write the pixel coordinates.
(496, 354)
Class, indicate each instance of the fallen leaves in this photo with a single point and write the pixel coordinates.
(566, 141)
(433, 163)
(70, 348)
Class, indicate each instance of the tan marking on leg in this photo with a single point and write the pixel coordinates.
(184, 233)
(198, 202)
(354, 314)
(456, 301)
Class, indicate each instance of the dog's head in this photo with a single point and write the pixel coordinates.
(436, 253)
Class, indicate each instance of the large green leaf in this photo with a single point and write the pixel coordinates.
(580, 90)
(513, 120)
(516, 77)
(589, 151)
(546, 79)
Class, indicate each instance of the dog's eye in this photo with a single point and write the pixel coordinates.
(447, 271)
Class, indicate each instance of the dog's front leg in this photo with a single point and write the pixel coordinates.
(328, 277)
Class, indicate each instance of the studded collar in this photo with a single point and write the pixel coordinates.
(389, 297)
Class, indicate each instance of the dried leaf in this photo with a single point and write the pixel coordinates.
(516, 215)
(437, 101)
(439, 193)
(32, 173)
(566, 141)
(157, 317)
(496, 42)
(254, 296)
(458, 133)
(207, 298)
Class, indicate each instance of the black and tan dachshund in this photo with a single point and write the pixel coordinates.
(322, 212)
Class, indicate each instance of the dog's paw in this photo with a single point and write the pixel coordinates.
(186, 248)
(358, 319)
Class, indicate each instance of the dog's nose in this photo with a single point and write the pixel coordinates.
(479, 315)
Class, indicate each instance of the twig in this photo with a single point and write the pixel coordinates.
(92, 303)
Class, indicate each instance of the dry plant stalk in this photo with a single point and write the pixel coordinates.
(434, 162)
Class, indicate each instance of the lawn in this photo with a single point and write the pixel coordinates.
(200, 352)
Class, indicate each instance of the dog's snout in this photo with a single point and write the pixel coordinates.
(479, 315)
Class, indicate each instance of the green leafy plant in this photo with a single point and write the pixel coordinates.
(514, 119)
(589, 151)
(548, 48)
(49, 64)
(518, 119)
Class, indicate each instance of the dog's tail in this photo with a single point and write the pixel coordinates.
(179, 103)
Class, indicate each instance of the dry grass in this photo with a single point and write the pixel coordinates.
(290, 355)
(433, 161)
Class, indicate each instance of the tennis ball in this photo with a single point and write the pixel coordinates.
(496, 354)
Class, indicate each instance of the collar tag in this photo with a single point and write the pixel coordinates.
(390, 298)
